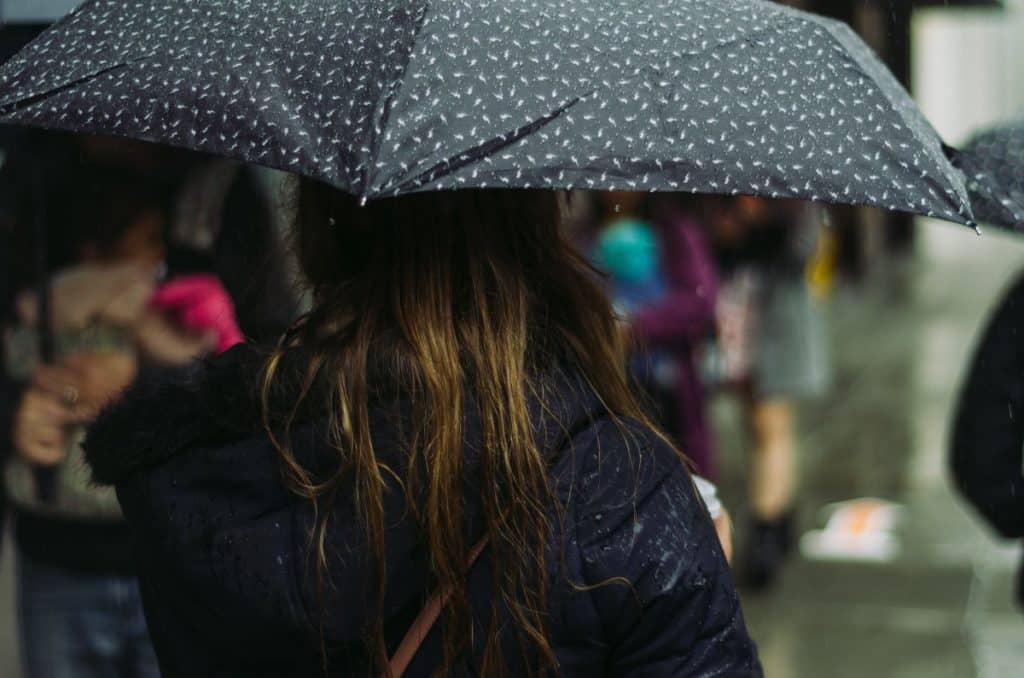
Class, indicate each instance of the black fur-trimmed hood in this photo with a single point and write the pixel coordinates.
(211, 402)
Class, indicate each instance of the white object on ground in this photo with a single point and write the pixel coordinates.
(856, 530)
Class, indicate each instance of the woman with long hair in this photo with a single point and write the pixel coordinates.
(449, 431)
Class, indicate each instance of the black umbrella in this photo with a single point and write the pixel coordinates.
(993, 161)
(381, 97)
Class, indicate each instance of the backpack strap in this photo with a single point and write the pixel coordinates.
(425, 621)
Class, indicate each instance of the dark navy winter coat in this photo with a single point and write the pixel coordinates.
(222, 546)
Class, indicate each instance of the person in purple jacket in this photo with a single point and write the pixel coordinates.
(672, 322)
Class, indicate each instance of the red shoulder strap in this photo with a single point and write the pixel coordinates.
(424, 622)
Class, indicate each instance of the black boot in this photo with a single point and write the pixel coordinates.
(768, 544)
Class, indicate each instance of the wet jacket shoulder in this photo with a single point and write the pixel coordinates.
(636, 518)
(638, 584)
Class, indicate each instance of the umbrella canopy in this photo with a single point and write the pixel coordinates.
(993, 161)
(381, 97)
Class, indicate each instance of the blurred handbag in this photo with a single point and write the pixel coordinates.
(729, 357)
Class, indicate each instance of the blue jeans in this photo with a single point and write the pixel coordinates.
(76, 625)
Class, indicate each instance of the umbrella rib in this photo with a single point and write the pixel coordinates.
(480, 151)
(25, 101)
(381, 120)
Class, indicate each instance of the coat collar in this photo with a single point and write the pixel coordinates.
(209, 403)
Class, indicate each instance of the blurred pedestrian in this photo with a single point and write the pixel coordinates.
(661, 282)
(452, 416)
(988, 431)
(771, 350)
(138, 235)
(224, 221)
(661, 279)
(13, 36)
(79, 608)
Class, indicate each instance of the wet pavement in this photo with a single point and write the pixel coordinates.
(942, 607)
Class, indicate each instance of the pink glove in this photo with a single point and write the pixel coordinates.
(201, 304)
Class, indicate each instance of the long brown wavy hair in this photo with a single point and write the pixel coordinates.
(459, 297)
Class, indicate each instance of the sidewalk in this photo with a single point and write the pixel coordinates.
(942, 608)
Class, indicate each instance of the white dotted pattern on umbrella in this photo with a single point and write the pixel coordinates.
(385, 97)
